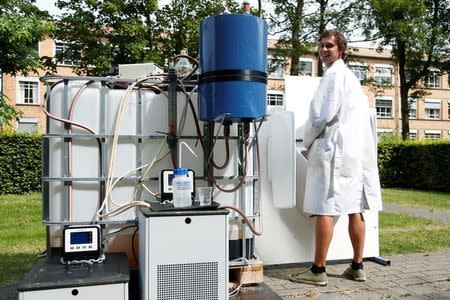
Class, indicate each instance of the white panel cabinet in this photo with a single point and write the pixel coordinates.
(108, 291)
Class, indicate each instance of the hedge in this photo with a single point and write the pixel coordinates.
(20, 163)
(423, 165)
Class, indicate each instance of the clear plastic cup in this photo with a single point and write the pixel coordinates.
(204, 195)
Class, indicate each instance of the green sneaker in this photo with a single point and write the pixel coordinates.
(310, 278)
(358, 275)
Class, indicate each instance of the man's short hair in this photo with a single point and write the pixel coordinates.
(341, 40)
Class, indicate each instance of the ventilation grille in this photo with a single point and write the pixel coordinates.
(197, 281)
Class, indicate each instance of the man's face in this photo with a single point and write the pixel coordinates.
(328, 50)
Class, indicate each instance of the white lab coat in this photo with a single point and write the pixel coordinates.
(342, 171)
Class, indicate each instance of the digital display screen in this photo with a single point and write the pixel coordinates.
(171, 177)
(77, 238)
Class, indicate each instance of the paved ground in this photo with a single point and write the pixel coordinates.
(442, 216)
(411, 276)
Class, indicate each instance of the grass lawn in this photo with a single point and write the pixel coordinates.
(22, 235)
(400, 234)
(426, 199)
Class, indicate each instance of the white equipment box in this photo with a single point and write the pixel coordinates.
(183, 254)
(50, 280)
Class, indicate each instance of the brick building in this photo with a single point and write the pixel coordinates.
(26, 94)
(429, 117)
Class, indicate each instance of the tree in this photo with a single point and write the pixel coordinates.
(22, 25)
(102, 34)
(298, 23)
(419, 34)
(286, 21)
(178, 23)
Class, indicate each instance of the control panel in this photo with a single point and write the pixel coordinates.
(81, 242)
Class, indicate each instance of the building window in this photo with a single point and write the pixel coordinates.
(432, 109)
(383, 74)
(413, 109)
(275, 98)
(28, 91)
(433, 79)
(305, 67)
(413, 134)
(432, 134)
(275, 67)
(448, 108)
(61, 49)
(360, 71)
(383, 107)
(29, 125)
(382, 132)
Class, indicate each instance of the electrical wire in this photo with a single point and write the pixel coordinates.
(243, 278)
(117, 231)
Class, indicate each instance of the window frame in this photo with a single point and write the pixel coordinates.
(433, 73)
(19, 98)
(306, 60)
(413, 103)
(383, 132)
(65, 62)
(384, 98)
(427, 110)
(431, 132)
(34, 121)
(448, 109)
(360, 66)
(378, 79)
(275, 93)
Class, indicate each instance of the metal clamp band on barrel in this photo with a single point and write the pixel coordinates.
(233, 75)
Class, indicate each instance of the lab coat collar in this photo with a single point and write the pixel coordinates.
(338, 63)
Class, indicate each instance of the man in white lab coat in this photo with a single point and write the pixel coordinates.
(342, 173)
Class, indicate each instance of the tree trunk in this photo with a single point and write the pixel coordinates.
(295, 41)
(404, 88)
(323, 6)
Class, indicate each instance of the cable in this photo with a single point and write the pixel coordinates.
(69, 122)
(117, 231)
(110, 183)
(249, 270)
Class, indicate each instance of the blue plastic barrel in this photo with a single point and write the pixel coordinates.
(233, 65)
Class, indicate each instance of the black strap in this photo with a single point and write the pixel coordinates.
(233, 75)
